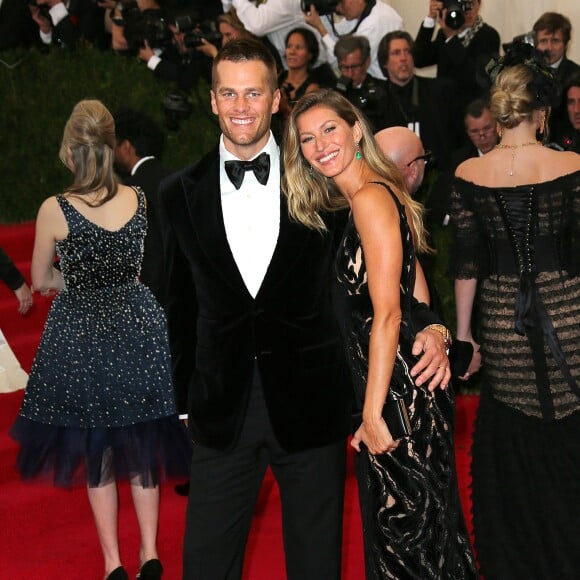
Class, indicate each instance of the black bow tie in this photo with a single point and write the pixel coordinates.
(237, 169)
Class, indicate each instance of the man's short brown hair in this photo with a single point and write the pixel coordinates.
(247, 50)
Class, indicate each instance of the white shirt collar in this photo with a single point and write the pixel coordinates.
(140, 162)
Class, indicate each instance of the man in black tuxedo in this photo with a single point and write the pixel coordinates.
(137, 151)
(424, 105)
(460, 54)
(254, 339)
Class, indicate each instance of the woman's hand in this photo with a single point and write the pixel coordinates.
(375, 435)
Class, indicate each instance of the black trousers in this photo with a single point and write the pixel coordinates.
(224, 486)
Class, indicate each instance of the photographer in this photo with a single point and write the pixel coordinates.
(144, 28)
(367, 93)
(424, 105)
(552, 35)
(370, 18)
(460, 51)
(64, 23)
(272, 21)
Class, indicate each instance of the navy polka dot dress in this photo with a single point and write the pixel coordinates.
(99, 401)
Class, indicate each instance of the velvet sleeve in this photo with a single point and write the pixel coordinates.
(9, 273)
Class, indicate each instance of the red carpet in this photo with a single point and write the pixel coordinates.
(48, 533)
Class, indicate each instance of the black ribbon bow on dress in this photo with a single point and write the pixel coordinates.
(236, 170)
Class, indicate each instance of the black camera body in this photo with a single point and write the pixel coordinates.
(147, 25)
(195, 31)
(456, 9)
(367, 98)
(323, 7)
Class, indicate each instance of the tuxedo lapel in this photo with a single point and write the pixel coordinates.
(203, 200)
(292, 239)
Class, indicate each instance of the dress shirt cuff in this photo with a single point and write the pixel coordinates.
(57, 13)
(429, 22)
(46, 37)
(153, 62)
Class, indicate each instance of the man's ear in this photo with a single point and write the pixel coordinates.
(276, 101)
(213, 102)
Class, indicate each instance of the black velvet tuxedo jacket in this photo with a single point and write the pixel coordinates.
(219, 332)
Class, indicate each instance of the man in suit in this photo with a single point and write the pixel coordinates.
(254, 339)
(424, 105)
(480, 129)
(369, 94)
(460, 54)
(553, 32)
(137, 151)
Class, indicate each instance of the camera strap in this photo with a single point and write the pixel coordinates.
(367, 10)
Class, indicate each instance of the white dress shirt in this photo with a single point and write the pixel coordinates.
(252, 216)
(381, 20)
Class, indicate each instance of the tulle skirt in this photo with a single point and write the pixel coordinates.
(526, 494)
(145, 453)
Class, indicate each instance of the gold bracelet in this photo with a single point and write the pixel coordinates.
(444, 332)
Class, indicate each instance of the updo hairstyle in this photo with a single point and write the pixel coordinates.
(511, 99)
(87, 149)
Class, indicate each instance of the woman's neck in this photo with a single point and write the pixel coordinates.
(524, 133)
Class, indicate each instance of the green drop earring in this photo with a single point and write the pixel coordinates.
(358, 154)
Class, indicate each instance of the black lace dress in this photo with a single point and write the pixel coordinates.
(99, 401)
(522, 243)
(412, 520)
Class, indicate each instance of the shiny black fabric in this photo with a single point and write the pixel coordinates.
(412, 520)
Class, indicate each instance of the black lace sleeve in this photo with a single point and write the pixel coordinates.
(468, 248)
(573, 233)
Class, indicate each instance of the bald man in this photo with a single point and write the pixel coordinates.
(407, 152)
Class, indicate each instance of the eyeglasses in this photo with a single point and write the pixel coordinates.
(352, 67)
(483, 131)
(426, 157)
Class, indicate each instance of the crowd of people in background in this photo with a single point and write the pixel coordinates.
(318, 106)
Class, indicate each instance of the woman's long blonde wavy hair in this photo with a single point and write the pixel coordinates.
(309, 193)
(88, 149)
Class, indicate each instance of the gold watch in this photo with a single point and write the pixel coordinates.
(444, 332)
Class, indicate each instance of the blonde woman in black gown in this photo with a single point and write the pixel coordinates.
(412, 521)
(516, 213)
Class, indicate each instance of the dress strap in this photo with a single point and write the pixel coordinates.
(70, 215)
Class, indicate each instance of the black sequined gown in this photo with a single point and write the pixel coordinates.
(99, 401)
(523, 244)
(412, 520)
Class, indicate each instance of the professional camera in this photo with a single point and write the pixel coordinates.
(176, 107)
(196, 30)
(367, 98)
(322, 6)
(527, 38)
(140, 26)
(456, 9)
